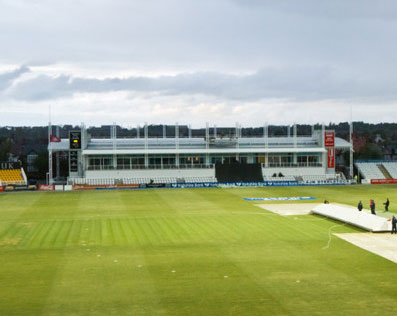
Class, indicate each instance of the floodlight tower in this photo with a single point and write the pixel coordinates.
(49, 175)
(351, 143)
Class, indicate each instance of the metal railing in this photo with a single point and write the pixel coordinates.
(293, 165)
(150, 166)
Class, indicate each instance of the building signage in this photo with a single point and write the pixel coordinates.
(331, 158)
(383, 181)
(43, 187)
(235, 184)
(84, 187)
(8, 165)
(329, 144)
(329, 139)
(293, 198)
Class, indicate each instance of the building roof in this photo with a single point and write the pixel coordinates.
(199, 145)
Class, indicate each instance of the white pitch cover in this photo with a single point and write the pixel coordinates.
(352, 216)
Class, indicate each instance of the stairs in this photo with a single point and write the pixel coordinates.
(384, 171)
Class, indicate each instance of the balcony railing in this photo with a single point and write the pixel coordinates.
(143, 167)
(294, 165)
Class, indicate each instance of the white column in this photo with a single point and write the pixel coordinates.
(50, 180)
(177, 144)
(207, 143)
(146, 145)
(323, 145)
(295, 131)
(113, 136)
(237, 140)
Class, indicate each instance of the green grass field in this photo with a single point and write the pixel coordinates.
(186, 252)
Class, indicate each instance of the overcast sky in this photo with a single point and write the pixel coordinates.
(193, 61)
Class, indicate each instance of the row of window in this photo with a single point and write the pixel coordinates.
(124, 160)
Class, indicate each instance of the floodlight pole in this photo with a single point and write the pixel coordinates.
(57, 175)
(50, 180)
(351, 150)
(237, 140)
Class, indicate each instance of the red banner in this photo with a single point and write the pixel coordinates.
(43, 187)
(54, 139)
(329, 139)
(331, 158)
(1, 188)
(383, 181)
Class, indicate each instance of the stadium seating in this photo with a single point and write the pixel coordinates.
(308, 179)
(323, 179)
(11, 176)
(370, 170)
(285, 178)
(391, 167)
(155, 180)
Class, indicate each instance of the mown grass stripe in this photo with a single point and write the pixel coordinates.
(147, 239)
(152, 231)
(133, 227)
(128, 234)
(39, 239)
(64, 234)
(163, 231)
(204, 232)
(98, 231)
(198, 233)
(121, 232)
(49, 239)
(109, 234)
(173, 228)
(117, 234)
(73, 238)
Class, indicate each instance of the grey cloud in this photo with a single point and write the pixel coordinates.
(7, 77)
(365, 9)
(211, 35)
(294, 83)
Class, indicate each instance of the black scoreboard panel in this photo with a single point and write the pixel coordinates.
(74, 161)
(75, 139)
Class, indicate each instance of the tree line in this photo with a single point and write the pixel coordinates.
(372, 141)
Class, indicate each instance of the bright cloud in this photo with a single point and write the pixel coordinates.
(162, 61)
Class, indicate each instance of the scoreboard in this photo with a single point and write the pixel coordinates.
(75, 147)
(75, 139)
